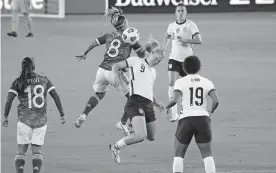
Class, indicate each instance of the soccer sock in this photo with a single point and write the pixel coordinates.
(37, 162)
(209, 164)
(178, 165)
(174, 108)
(92, 102)
(29, 22)
(19, 163)
(120, 144)
(15, 21)
(124, 118)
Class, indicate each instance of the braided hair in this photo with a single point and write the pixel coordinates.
(116, 17)
(27, 67)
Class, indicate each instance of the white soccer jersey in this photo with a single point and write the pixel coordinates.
(194, 89)
(142, 77)
(186, 30)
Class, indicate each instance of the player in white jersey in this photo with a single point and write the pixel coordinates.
(183, 33)
(24, 7)
(139, 106)
(194, 119)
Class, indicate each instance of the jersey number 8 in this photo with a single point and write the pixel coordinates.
(114, 46)
(36, 96)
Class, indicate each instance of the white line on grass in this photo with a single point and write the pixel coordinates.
(249, 171)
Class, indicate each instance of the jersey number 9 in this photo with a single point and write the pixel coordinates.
(113, 50)
(33, 100)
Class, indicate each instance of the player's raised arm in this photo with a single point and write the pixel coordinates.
(97, 42)
(139, 50)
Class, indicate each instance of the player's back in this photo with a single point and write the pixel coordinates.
(194, 89)
(143, 77)
(33, 99)
(116, 50)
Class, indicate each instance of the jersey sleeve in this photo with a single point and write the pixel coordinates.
(194, 29)
(101, 40)
(210, 87)
(169, 30)
(49, 86)
(14, 87)
(177, 86)
(131, 61)
(136, 47)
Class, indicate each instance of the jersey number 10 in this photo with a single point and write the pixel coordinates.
(198, 94)
(36, 96)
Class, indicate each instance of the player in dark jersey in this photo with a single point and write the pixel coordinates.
(31, 90)
(116, 51)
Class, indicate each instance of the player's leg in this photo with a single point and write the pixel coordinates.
(37, 143)
(183, 136)
(25, 9)
(100, 87)
(173, 76)
(150, 123)
(23, 140)
(203, 138)
(124, 89)
(15, 18)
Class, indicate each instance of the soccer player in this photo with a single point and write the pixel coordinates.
(116, 51)
(194, 119)
(22, 6)
(139, 106)
(183, 33)
(31, 90)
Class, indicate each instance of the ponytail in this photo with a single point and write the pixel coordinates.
(27, 69)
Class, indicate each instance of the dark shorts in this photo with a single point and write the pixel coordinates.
(139, 106)
(176, 66)
(198, 126)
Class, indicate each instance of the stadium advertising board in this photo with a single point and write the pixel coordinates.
(167, 6)
(36, 5)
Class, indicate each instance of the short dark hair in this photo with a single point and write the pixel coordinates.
(191, 65)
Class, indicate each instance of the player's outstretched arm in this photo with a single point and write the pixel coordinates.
(8, 105)
(58, 103)
(158, 104)
(90, 47)
(214, 97)
(177, 95)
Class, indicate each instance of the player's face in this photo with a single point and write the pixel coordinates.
(154, 59)
(125, 25)
(180, 13)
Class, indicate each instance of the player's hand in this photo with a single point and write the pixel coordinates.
(5, 122)
(160, 107)
(63, 119)
(183, 41)
(169, 114)
(81, 57)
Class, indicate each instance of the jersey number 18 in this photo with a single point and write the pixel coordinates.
(36, 96)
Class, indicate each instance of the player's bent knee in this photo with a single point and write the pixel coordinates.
(178, 165)
(100, 95)
(36, 149)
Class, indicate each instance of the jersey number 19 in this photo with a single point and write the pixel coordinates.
(196, 96)
(37, 95)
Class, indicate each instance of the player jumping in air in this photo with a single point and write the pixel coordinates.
(22, 6)
(194, 119)
(183, 33)
(116, 51)
(139, 107)
(31, 90)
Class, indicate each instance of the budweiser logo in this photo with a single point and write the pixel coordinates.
(247, 2)
(164, 2)
(36, 4)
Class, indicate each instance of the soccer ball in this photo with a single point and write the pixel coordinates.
(131, 36)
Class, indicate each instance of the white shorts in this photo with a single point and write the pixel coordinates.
(27, 135)
(105, 77)
(22, 6)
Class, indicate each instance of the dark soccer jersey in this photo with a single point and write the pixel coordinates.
(116, 49)
(32, 99)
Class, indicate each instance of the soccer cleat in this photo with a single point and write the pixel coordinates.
(12, 34)
(123, 128)
(30, 34)
(80, 120)
(115, 153)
